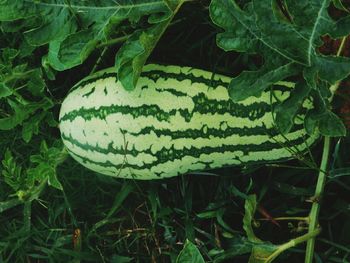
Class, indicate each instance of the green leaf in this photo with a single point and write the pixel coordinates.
(11, 172)
(4, 90)
(8, 54)
(22, 111)
(219, 217)
(77, 26)
(19, 115)
(128, 60)
(328, 124)
(253, 83)
(261, 250)
(261, 253)
(339, 172)
(249, 208)
(31, 126)
(321, 119)
(43, 165)
(338, 4)
(238, 246)
(236, 37)
(314, 115)
(121, 259)
(287, 37)
(331, 125)
(36, 82)
(311, 122)
(133, 54)
(56, 22)
(52, 57)
(76, 48)
(331, 68)
(122, 194)
(341, 28)
(14, 10)
(258, 22)
(189, 254)
(287, 111)
(53, 181)
(50, 120)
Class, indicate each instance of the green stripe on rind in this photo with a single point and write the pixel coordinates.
(171, 109)
(170, 154)
(103, 74)
(201, 105)
(160, 158)
(155, 170)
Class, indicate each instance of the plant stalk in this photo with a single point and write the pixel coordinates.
(315, 209)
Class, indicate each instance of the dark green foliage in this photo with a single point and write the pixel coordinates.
(100, 219)
(287, 34)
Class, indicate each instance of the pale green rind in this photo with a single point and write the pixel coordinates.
(112, 139)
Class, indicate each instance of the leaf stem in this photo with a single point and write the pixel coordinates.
(113, 41)
(315, 209)
(5, 205)
(292, 243)
(341, 46)
(341, 247)
(27, 216)
(335, 86)
(286, 218)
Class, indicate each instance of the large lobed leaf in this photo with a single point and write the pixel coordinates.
(287, 34)
(74, 28)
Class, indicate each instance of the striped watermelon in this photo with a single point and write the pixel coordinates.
(176, 121)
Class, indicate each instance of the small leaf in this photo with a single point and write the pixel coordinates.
(332, 69)
(238, 246)
(253, 83)
(338, 4)
(31, 126)
(341, 28)
(261, 252)
(339, 172)
(8, 54)
(19, 115)
(56, 23)
(12, 172)
(235, 37)
(328, 124)
(43, 165)
(127, 67)
(331, 125)
(121, 259)
(50, 120)
(4, 90)
(250, 207)
(52, 57)
(53, 181)
(311, 122)
(122, 194)
(48, 69)
(36, 82)
(133, 54)
(189, 254)
(22, 111)
(76, 48)
(286, 112)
